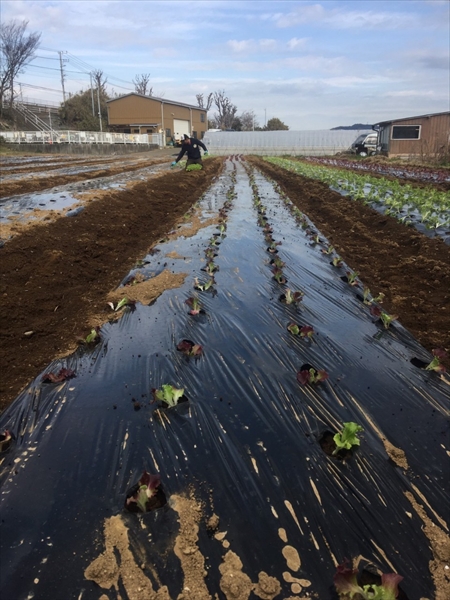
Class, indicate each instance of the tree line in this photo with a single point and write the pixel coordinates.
(87, 109)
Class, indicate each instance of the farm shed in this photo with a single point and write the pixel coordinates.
(320, 142)
(135, 113)
(425, 135)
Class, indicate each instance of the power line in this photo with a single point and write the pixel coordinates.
(53, 69)
(39, 87)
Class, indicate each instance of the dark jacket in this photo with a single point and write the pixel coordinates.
(192, 149)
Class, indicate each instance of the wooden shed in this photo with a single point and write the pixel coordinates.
(135, 113)
(422, 136)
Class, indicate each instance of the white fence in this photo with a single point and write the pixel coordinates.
(275, 143)
(80, 137)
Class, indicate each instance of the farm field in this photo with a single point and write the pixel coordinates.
(256, 508)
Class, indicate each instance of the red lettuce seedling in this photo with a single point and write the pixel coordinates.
(5, 440)
(435, 365)
(189, 348)
(346, 583)
(311, 376)
(62, 375)
(194, 304)
(147, 488)
(307, 332)
(347, 437)
(168, 394)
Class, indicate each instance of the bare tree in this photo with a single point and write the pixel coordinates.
(16, 50)
(226, 110)
(248, 121)
(100, 80)
(142, 84)
(201, 102)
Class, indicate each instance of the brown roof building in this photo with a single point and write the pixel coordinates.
(135, 113)
(422, 136)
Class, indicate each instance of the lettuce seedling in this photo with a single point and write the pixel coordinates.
(168, 394)
(368, 301)
(328, 250)
(147, 488)
(293, 328)
(292, 297)
(211, 267)
(307, 332)
(387, 319)
(5, 440)
(347, 437)
(277, 262)
(189, 348)
(337, 261)
(122, 303)
(273, 246)
(351, 277)
(346, 583)
(203, 287)
(194, 304)
(311, 376)
(62, 375)
(278, 275)
(93, 337)
(435, 365)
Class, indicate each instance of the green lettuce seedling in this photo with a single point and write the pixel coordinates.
(346, 583)
(347, 437)
(435, 365)
(168, 394)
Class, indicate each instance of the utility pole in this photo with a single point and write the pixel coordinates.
(92, 96)
(265, 117)
(99, 112)
(60, 52)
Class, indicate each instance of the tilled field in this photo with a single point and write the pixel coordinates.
(56, 274)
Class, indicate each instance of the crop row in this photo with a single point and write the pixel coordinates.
(431, 206)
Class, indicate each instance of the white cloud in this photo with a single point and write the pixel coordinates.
(296, 43)
(240, 46)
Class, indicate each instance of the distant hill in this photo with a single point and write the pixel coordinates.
(355, 126)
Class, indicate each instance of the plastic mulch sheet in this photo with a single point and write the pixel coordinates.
(245, 447)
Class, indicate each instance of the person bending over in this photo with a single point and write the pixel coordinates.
(192, 146)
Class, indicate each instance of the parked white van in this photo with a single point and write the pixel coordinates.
(365, 144)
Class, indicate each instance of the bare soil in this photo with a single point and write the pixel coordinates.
(57, 275)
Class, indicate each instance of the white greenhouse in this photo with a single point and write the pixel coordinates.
(275, 143)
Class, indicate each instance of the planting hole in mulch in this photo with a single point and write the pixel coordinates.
(420, 364)
(328, 445)
(158, 500)
(369, 578)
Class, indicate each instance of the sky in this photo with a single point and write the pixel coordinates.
(312, 64)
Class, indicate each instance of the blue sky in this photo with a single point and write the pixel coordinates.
(314, 65)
